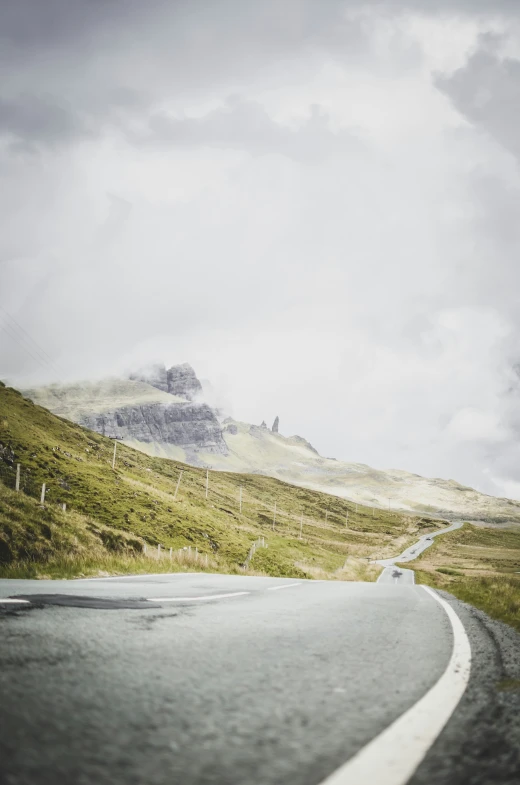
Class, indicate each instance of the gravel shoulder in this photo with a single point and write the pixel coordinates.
(481, 742)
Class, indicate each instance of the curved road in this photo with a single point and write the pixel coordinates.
(393, 574)
(198, 679)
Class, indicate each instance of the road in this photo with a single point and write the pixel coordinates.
(197, 678)
(393, 574)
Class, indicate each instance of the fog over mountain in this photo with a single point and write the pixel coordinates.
(314, 204)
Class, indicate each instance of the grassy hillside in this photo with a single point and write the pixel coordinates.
(256, 450)
(74, 401)
(478, 565)
(138, 499)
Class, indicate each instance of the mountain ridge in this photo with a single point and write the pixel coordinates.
(182, 427)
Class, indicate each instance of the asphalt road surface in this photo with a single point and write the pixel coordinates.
(197, 679)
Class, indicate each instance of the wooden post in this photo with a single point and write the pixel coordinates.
(42, 499)
(207, 482)
(346, 520)
(144, 547)
(177, 488)
(114, 456)
(301, 526)
(17, 484)
(326, 515)
(274, 516)
(171, 551)
(158, 549)
(64, 507)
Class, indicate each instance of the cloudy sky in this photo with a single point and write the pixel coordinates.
(316, 204)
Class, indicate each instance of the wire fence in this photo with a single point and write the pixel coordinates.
(49, 491)
(58, 492)
(192, 485)
(260, 543)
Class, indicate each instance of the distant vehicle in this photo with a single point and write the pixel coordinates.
(429, 538)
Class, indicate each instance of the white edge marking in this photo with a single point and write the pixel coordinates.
(394, 755)
(4, 601)
(194, 599)
(283, 586)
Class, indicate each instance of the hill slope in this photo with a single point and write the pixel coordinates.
(153, 420)
(138, 499)
(478, 565)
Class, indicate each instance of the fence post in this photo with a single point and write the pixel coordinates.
(42, 499)
(274, 516)
(64, 507)
(114, 456)
(171, 557)
(207, 560)
(144, 547)
(346, 520)
(177, 488)
(17, 484)
(159, 549)
(301, 526)
(207, 482)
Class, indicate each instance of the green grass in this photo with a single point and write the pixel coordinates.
(137, 501)
(499, 597)
(479, 566)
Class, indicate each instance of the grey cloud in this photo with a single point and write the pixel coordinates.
(297, 283)
(31, 118)
(243, 124)
(487, 91)
(103, 61)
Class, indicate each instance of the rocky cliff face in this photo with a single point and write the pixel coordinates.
(192, 426)
(141, 410)
(178, 380)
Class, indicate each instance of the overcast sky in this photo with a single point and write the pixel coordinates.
(316, 204)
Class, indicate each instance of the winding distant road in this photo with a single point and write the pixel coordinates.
(199, 679)
(393, 574)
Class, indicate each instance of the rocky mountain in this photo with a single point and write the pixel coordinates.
(179, 380)
(141, 411)
(161, 412)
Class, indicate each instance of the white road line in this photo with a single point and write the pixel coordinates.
(283, 586)
(3, 601)
(394, 755)
(194, 599)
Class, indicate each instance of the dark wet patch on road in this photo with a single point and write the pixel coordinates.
(77, 601)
